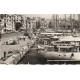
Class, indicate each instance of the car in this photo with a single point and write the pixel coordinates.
(21, 37)
(22, 28)
(11, 42)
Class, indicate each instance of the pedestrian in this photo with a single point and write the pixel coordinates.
(24, 38)
(6, 42)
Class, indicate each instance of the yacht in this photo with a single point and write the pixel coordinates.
(66, 48)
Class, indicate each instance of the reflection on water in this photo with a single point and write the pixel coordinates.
(32, 57)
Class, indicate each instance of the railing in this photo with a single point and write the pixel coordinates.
(62, 44)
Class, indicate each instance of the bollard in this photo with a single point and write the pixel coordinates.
(4, 54)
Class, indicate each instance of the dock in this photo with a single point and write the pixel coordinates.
(19, 50)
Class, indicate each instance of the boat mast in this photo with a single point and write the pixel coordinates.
(65, 20)
(71, 26)
(56, 23)
(53, 22)
(79, 21)
(74, 24)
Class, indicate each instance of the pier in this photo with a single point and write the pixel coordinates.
(18, 51)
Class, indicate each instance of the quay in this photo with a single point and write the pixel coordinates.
(19, 50)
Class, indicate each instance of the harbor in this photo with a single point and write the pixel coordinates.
(39, 40)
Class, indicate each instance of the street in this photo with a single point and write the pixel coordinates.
(7, 48)
(11, 35)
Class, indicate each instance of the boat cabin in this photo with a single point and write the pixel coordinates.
(46, 38)
(67, 44)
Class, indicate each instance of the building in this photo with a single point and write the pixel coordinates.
(23, 21)
(7, 21)
(1, 21)
(10, 21)
(18, 21)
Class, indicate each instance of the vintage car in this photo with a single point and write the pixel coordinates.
(11, 42)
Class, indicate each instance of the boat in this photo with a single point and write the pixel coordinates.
(60, 46)
(66, 48)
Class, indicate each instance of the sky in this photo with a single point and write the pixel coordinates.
(48, 16)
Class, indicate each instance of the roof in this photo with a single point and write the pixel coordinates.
(64, 46)
(55, 37)
(70, 38)
(51, 33)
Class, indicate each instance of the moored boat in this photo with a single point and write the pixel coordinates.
(66, 48)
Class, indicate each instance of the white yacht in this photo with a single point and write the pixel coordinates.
(66, 48)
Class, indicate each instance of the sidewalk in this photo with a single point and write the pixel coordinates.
(18, 47)
(23, 48)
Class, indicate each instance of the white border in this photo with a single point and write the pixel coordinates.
(39, 6)
(38, 72)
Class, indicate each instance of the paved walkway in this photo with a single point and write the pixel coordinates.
(19, 46)
(12, 47)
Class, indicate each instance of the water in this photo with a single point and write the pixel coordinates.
(32, 57)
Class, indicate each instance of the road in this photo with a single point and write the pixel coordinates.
(11, 35)
(6, 37)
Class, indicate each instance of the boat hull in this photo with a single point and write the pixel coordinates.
(59, 55)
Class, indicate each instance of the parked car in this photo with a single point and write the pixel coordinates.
(11, 42)
(21, 38)
(22, 28)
